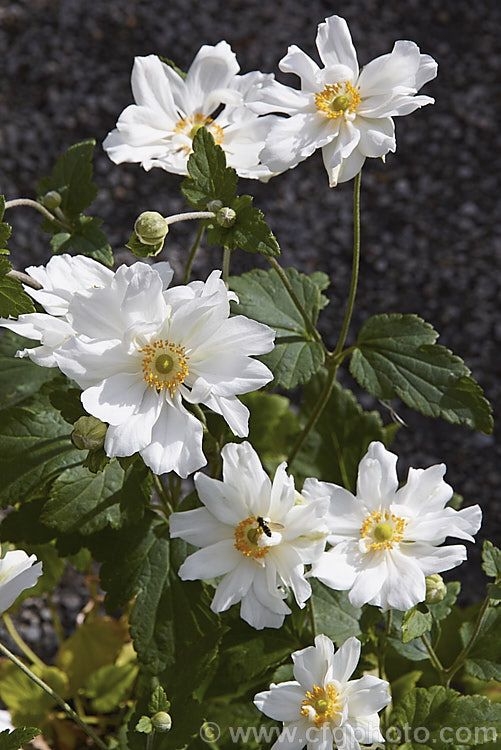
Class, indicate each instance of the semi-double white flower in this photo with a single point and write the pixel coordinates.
(322, 708)
(17, 573)
(345, 111)
(158, 130)
(142, 350)
(60, 279)
(255, 533)
(386, 540)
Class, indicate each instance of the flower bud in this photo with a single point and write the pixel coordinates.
(161, 721)
(52, 200)
(214, 206)
(226, 217)
(89, 433)
(435, 589)
(151, 227)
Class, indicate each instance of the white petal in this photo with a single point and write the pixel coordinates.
(242, 470)
(404, 584)
(377, 137)
(338, 568)
(234, 586)
(425, 489)
(434, 559)
(257, 615)
(150, 85)
(233, 412)
(312, 664)
(134, 433)
(298, 62)
(199, 527)
(17, 573)
(347, 169)
(334, 44)
(377, 476)
(367, 695)
(210, 562)
(345, 660)
(115, 399)
(221, 499)
(292, 140)
(281, 702)
(369, 581)
(213, 68)
(345, 738)
(176, 443)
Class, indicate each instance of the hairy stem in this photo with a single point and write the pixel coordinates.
(433, 657)
(316, 412)
(355, 265)
(193, 252)
(33, 204)
(226, 265)
(24, 278)
(162, 493)
(285, 281)
(460, 659)
(20, 643)
(190, 215)
(57, 698)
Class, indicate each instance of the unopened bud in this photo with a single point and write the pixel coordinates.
(214, 206)
(161, 721)
(435, 589)
(226, 217)
(52, 200)
(151, 227)
(89, 433)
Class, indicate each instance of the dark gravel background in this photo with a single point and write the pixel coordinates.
(431, 240)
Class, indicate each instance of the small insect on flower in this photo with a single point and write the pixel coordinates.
(268, 526)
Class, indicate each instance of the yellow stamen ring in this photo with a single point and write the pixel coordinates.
(247, 536)
(337, 98)
(324, 701)
(165, 365)
(191, 124)
(383, 528)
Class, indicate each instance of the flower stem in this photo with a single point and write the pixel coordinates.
(56, 622)
(316, 412)
(163, 494)
(20, 643)
(285, 281)
(189, 215)
(355, 265)
(433, 657)
(226, 265)
(311, 607)
(34, 204)
(459, 660)
(193, 252)
(46, 688)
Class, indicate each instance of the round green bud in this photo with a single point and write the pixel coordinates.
(89, 433)
(214, 205)
(52, 200)
(151, 227)
(226, 217)
(435, 589)
(161, 721)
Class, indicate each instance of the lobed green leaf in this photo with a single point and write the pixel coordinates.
(209, 177)
(72, 178)
(250, 232)
(396, 355)
(13, 299)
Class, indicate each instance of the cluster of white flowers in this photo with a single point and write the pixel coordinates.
(340, 109)
(139, 349)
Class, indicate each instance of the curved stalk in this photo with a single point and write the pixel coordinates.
(189, 215)
(193, 252)
(433, 657)
(57, 698)
(24, 279)
(459, 660)
(163, 494)
(20, 643)
(33, 204)
(315, 414)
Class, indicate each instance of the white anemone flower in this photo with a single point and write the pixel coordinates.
(322, 708)
(158, 130)
(386, 540)
(255, 533)
(17, 573)
(141, 351)
(62, 277)
(345, 111)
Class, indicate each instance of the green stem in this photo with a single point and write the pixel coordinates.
(459, 660)
(56, 622)
(355, 265)
(21, 644)
(47, 689)
(32, 204)
(316, 412)
(285, 281)
(163, 494)
(226, 265)
(433, 657)
(189, 216)
(312, 616)
(193, 252)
